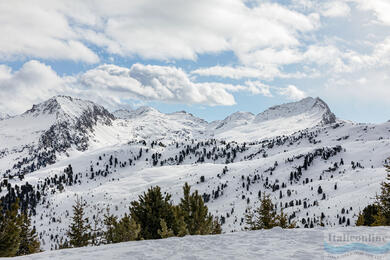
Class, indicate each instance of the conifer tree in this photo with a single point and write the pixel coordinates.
(216, 227)
(195, 213)
(148, 211)
(10, 231)
(180, 224)
(79, 228)
(165, 232)
(126, 230)
(383, 201)
(29, 242)
(266, 213)
(368, 215)
(110, 221)
(378, 214)
(265, 217)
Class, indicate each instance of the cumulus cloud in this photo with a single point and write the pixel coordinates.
(32, 83)
(380, 8)
(257, 87)
(113, 86)
(292, 92)
(161, 83)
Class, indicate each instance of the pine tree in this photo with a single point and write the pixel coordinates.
(110, 221)
(265, 217)
(127, 230)
(282, 220)
(195, 213)
(383, 200)
(216, 227)
(180, 224)
(10, 231)
(378, 214)
(368, 215)
(148, 211)
(29, 243)
(165, 232)
(79, 228)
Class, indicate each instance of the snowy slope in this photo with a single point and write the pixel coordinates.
(303, 244)
(119, 161)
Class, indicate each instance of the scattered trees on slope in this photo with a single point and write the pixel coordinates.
(152, 216)
(265, 216)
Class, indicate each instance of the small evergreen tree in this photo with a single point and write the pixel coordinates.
(29, 242)
(110, 221)
(10, 230)
(383, 201)
(126, 230)
(148, 211)
(378, 214)
(79, 228)
(368, 215)
(196, 216)
(265, 217)
(165, 232)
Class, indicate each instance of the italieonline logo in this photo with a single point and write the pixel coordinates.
(341, 244)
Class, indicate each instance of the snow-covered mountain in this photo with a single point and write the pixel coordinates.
(4, 116)
(67, 147)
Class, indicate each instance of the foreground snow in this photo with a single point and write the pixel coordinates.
(265, 244)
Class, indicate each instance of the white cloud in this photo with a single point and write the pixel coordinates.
(380, 8)
(161, 83)
(335, 9)
(113, 86)
(292, 92)
(32, 83)
(257, 87)
(265, 72)
(164, 30)
(36, 30)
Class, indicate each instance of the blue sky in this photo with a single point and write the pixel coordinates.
(210, 58)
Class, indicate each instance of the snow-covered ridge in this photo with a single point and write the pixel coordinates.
(4, 116)
(63, 123)
(309, 105)
(288, 156)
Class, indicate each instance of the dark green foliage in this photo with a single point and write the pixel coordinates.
(10, 228)
(195, 213)
(367, 217)
(378, 214)
(79, 228)
(148, 211)
(123, 230)
(29, 243)
(265, 217)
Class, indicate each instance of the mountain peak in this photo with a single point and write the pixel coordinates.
(66, 107)
(313, 107)
(4, 116)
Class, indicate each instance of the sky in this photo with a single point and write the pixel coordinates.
(208, 57)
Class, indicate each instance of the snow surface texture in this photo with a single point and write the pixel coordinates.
(239, 157)
(302, 244)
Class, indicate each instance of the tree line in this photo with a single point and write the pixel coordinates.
(152, 216)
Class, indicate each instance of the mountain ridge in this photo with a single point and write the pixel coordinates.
(111, 164)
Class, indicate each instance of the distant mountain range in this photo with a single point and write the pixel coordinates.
(66, 146)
